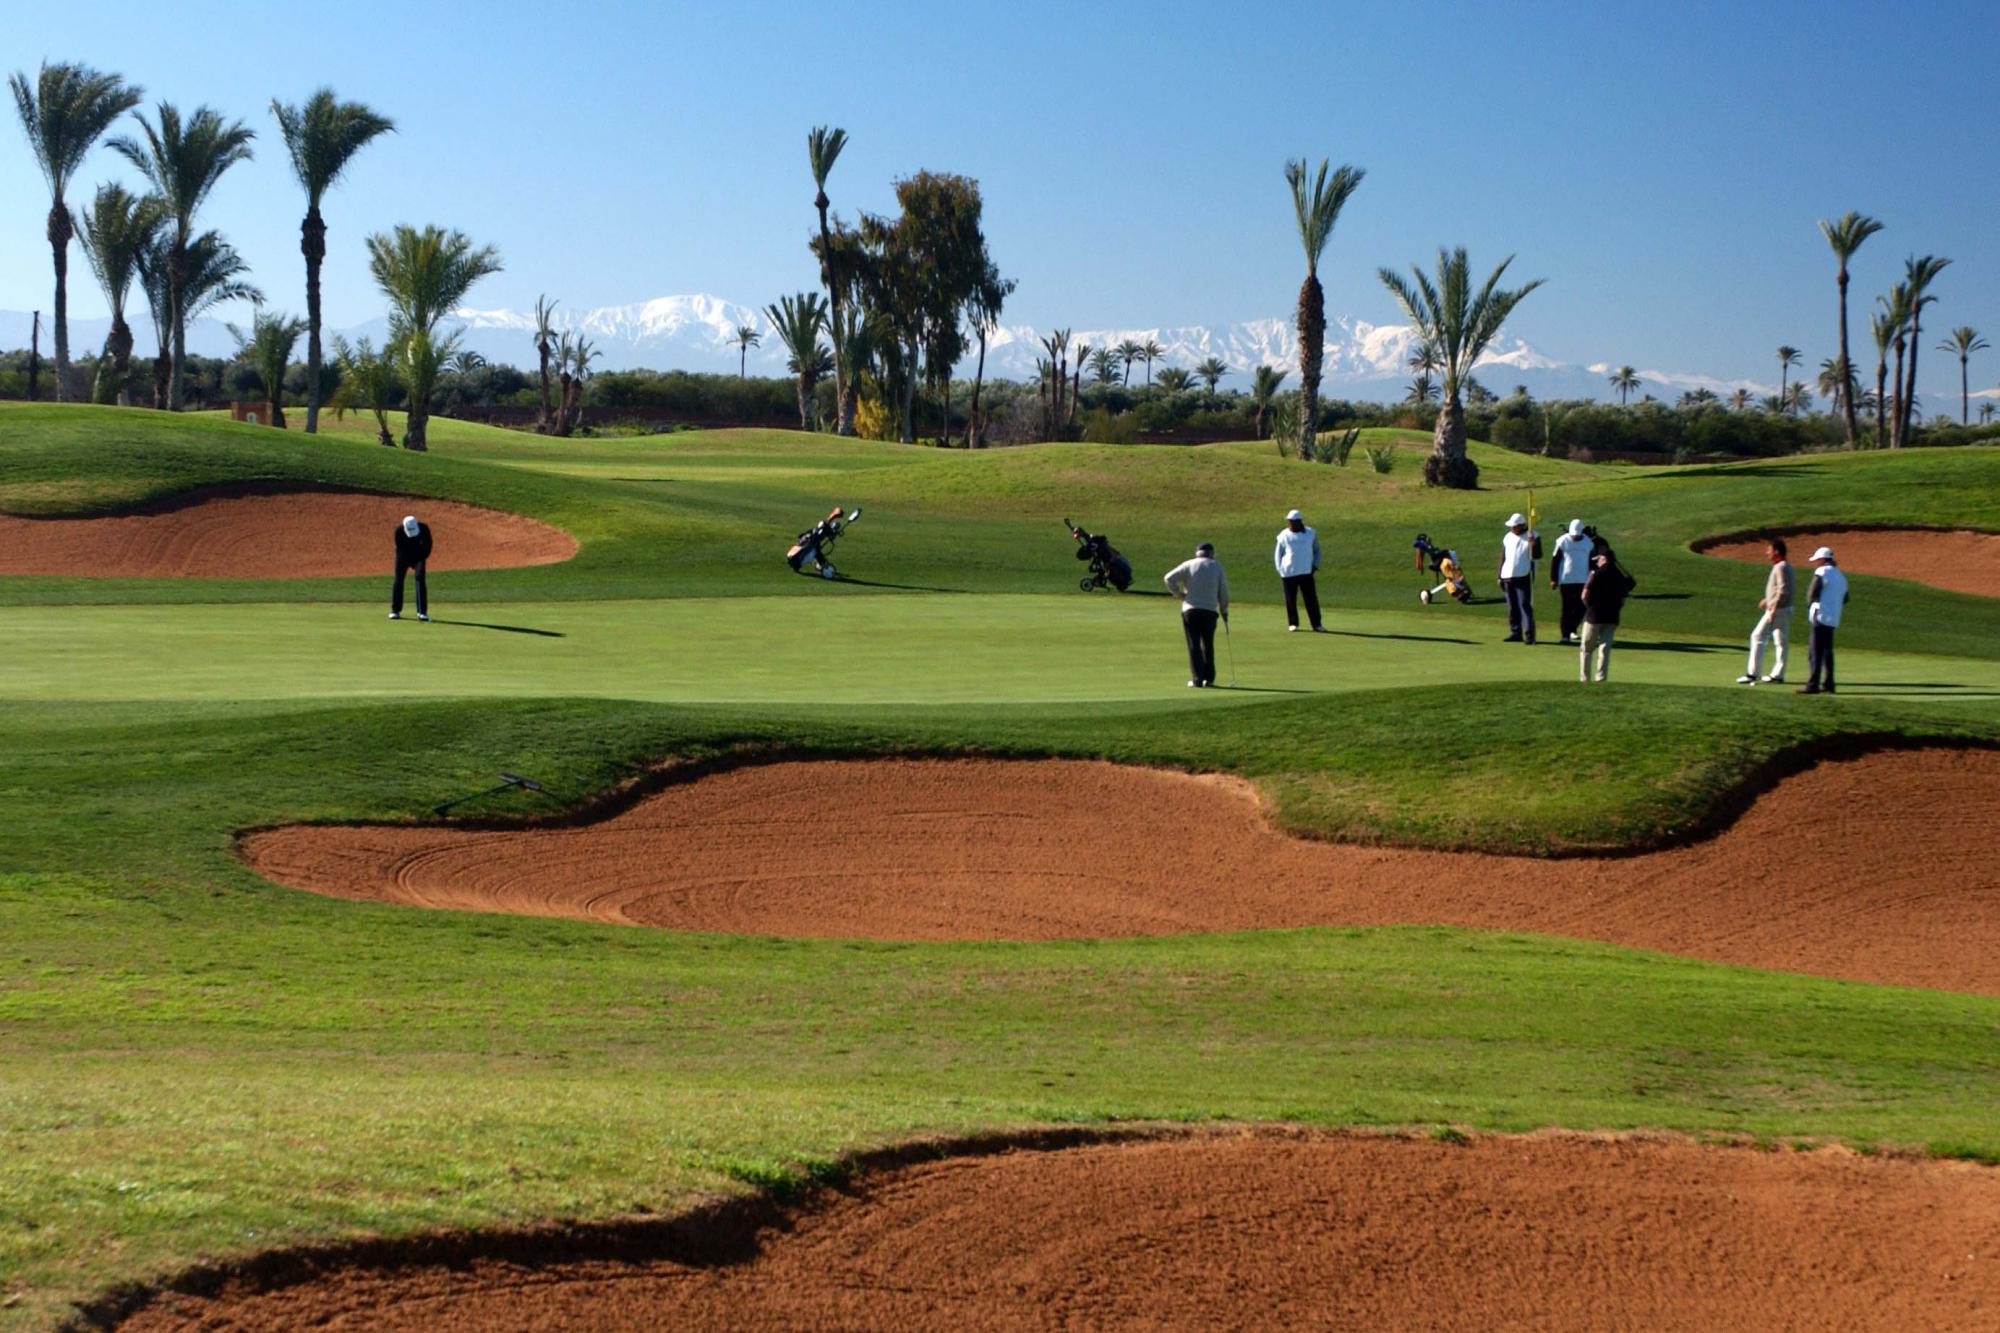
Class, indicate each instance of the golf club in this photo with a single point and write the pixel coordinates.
(506, 780)
(1231, 644)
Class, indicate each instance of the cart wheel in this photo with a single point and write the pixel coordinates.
(828, 572)
(1086, 584)
(1425, 596)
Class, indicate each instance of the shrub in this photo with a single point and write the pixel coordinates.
(1382, 459)
(1516, 433)
(1102, 426)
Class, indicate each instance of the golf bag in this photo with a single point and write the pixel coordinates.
(1106, 565)
(815, 543)
(1444, 568)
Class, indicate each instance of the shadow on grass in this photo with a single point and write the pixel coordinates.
(1660, 597)
(506, 629)
(899, 587)
(1259, 689)
(1704, 473)
(1670, 646)
(1405, 638)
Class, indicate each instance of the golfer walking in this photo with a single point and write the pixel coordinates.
(1568, 568)
(1297, 558)
(1204, 593)
(1517, 579)
(413, 549)
(1825, 602)
(1775, 623)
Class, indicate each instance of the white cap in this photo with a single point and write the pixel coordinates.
(1823, 553)
(1295, 514)
(410, 524)
(1576, 527)
(1517, 520)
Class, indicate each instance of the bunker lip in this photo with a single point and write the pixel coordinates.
(1907, 889)
(269, 529)
(1094, 1224)
(1956, 559)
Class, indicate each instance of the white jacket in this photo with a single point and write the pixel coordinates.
(1829, 596)
(1517, 556)
(1297, 553)
(1572, 559)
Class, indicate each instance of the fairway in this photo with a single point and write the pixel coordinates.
(197, 1063)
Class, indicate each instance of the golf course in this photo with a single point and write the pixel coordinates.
(942, 860)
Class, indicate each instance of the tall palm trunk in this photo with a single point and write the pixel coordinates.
(1908, 406)
(1896, 425)
(1312, 347)
(799, 387)
(415, 429)
(60, 230)
(1881, 402)
(542, 349)
(1447, 464)
(973, 433)
(1846, 366)
(177, 258)
(312, 243)
(1964, 393)
(277, 405)
(843, 422)
(163, 374)
(909, 431)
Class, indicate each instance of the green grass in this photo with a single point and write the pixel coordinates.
(196, 1063)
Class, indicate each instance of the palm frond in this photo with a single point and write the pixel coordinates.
(323, 134)
(64, 112)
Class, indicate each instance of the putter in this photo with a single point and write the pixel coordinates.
(1231, 643)
(506, 780)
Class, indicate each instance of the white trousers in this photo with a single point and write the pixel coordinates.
(1777, 627)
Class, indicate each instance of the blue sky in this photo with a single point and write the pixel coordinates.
(1661, 166)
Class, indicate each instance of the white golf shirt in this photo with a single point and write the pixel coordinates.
(1831, 586)
(1297, 553)
(1517, 556)
(1572, 559)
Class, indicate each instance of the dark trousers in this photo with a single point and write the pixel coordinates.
(1520, 607)
(1295, 584)
(1572, 610)
(1199, 626)
(1821, 658)
(396, 598)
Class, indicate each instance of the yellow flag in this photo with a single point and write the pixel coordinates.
(1534, 514)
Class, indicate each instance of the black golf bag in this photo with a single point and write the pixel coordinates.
(1106, 565)
(815, 543)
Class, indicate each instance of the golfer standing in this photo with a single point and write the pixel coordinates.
(413, 549)
(1568, 568)
(1824, 605)
(1204, 593)
(1517, 579)
(1604, 595)
(1776, 621)
(1297, 558)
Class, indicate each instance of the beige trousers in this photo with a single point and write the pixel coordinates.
(1596, 638)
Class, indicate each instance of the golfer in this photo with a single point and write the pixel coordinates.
(1204, 593)
(1297, 559)
(1775, 623)
(1517, 579)
(413, 549)
(1604, 594)
(1824, 604)
(1568, 568)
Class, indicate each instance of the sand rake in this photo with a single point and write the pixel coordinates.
(506, 780)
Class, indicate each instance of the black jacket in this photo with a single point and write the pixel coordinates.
(413, 550)
(1604, 594)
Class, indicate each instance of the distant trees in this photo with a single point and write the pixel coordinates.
(1128, 352)
(1918, 275)
(1741, 400)
(1886, 325)
(1149, 352)
(1316, 207)
(368, 383)
(1625, 379)
(268, 348)
(747, 337)
(798, 321)
(1263, 389)
(545, 342)
(425, 274)
(988, 298)
(1055, 380)
(64, 112)
(578, 356)
(1844, 236)
(209, 273)
(1104, 365)
(1211, 371)
(1788, 357)
(1963, 342)
(117, 229)
(1176, 379)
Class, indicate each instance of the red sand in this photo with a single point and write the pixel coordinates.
(1263, 1228)
(1885, 868)
(1959, 561)
(271, 533)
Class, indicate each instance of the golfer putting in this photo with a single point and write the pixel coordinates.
(413, 550)
(1204, 592)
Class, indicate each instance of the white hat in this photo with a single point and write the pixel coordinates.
(1576, 527)
(1823, 553)
(410, 524)
(1517, 520)
(1295, 514)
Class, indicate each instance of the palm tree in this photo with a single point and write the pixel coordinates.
(577, 359)
(1919, 275)
(209, 273)
(1772, 403)
(1477, 393)
(1964, 341)
(989, 297)
(1696, 398)
(798, 321)
(1149, 352)
(268, 348)
(182, 161)
(466, 362)
(116, 228)
(1798, 399)
(1210, 372)
(822, 151)
(64, 113)
(747, 337)
(424, 274)
(1176, 379)
(1446, 311)
(1625, 380)
(367, 383)
(1788, 357)
(1422, 390)
(1317, 209)
(1832, 387)
(1057, 345)
(545, 341)
(1128, 352)
(1263, 388)
(322, 135)
(1423, 359)
(1885, 325)
(1845, 236)
(1985, 413)
(1741, 400)
(1104, 365)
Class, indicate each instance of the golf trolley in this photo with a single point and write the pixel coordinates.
(1106, 565)
(1444, 568)
(815, 542)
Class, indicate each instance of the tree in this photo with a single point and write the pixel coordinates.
(1423, 359)
(1128, 352)
(1797, 398)
(545, 340)
(988, 298)
(1176, 379)
(798, 321)
(1885, 324)
(578, 356)
(64, 112)
(1057, 344)
(367, 384)
(1844, 236)
(268, 348)
(210, 273)
(1422, 390)
(1625, 379)
(182, 160)
(1696, 398)
(1210, 372)
(1316, 207)
(1787, 358)
(1918, 276)
(425, 274)
(1460, 322)
(747, 337)
(1263, 389)
(1740, 400)
(1985, 413)
(1149, 352)
(1477, 393)
(1963, 342)
(117, 228)
(1104, 366)
(1837, 394)
(322, 136)
(823, 148)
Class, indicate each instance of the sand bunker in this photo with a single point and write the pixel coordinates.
(270, 532)
(1257, 1228)
(1958, 561)
(1884, 868)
